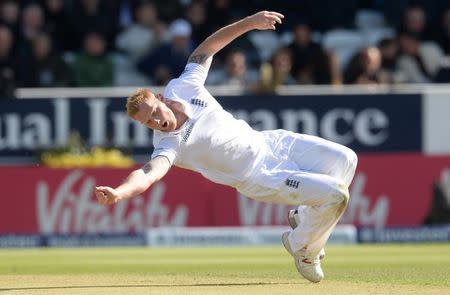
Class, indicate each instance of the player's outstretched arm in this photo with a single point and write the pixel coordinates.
(263, 20)
(136, 183)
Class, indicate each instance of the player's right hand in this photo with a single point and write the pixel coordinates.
(106, 195)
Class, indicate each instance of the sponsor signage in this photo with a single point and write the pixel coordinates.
(375, 123)
(22, 241)
(71, 240)
(30, 125)
(388, 190)
(213, 236)
(362, 122)
(405, 234)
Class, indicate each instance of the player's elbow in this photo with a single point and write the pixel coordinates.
(139, 180)
(149, 180)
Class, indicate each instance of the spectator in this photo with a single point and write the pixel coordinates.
(33, 23)
(43, 68)
(168, 60)
(93, 67)
(123, 11)
(235, 72)
(138, 39)
(311, 65)
(331, 14)
(219, 14)
(418, 61)
(389, 53)
(196, 15)
(92, 15)
(334, 67)
(7, 63)
(277, 73)
(9, 15)
(169, 10)
(58, 25)
(415, 22)
(150, 48)
(364, 68)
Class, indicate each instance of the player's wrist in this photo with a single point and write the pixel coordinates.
(120, 194)
(118, 198)
(248, 23)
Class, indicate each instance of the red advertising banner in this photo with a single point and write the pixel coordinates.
(394, 189)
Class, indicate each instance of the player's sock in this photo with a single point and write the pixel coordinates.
(294, 221)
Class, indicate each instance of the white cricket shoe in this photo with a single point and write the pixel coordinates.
(309, 268)
(294, 220)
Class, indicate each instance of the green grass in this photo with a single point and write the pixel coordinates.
(359, 269)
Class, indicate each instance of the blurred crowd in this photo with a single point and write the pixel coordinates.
(94, 43)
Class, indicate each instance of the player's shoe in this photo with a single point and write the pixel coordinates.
(294, 220)
(309, 268)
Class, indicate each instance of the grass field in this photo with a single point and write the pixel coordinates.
(359, 269)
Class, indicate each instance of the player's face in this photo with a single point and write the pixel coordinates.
(155, 114)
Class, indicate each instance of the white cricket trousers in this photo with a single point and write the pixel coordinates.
(307, 171)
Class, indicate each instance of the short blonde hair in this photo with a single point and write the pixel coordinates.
(135, 100)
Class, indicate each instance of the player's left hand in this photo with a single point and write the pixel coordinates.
(265, 20)
(106, 195)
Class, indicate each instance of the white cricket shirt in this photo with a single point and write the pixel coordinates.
(211, 142)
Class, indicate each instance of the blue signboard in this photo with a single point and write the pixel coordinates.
(366, 123)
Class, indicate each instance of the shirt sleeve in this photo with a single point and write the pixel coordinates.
(166, 147)
(194, 73)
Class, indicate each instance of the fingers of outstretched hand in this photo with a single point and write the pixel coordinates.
(274, 17)
(103, 189)
(267, 19)
(105, 195)
(101, 197)
(279, 15)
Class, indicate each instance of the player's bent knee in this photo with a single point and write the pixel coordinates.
(341, 195)
(346, 197)
(350, 163)
(345, 201)
(352, 160)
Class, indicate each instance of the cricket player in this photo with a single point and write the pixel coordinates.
(192, 131)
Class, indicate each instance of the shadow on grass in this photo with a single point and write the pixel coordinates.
(143, 286)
